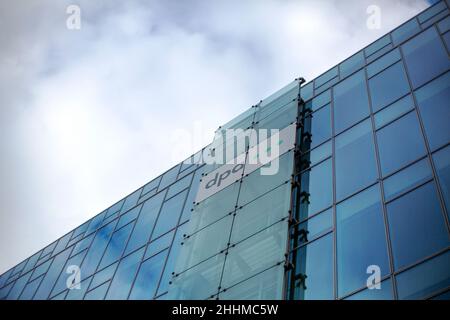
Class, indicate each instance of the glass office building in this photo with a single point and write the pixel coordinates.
(362, 189)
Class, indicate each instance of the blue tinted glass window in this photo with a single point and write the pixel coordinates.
(315, 226)
(431, 11)
(405, 31)
(355, 154)
(103, 276)
(96, 250)
(131, 201)
(377, 45)
(400, 143)
(406, 179)
(18, 287)
(145, 222)
(425, 279)
(169, 215)
(307, 91)
(361, 239)
(327, 76)
(442, 164)
(352, 64)
(116, 245)
(61, 283)
(83, 244)
(95, 222)
(171, 260)
(321, 100)
(169, 177)
(316, 189)
(384, 293)
(388, 86)
(433, 100)
(394, 111)
(319, 125)
(148, 277)
(51, 276)
(159, 244)
(123, 279)
(180, 185)
(128, 217)
(383, 62)
(30, 289)
(315, 261)
(98, 293)
(350, 101)
(425, 57)
(190, 201)
(444, 25)
(417, 226)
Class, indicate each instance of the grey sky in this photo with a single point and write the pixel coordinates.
(87, 116)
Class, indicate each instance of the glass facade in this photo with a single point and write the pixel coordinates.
(365, 187)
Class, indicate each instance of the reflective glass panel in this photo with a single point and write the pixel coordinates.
(116, 245)
(433, 100)
(169, 215)
(123, 279)
(388, 86)
(350, 101)
(416, 219)
(361, 239)
(400, 143)
(442, 164)
(354, 155)
(425, 57)
(315, 261)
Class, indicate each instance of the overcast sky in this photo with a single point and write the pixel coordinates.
(89, 115)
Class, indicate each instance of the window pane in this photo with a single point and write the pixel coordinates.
(215, 207)
(261, 213)
(327, 76)
(361, 239)
(321, 100)
(384, 293)
(129, 216)
(255, 254)
(96, 251)
(159, 244)
(30, 289)
(123, 279)
(442, 163)
(256, 184)
(316, 189)
(406, 179)
(179, 186)
(314, 226)
(51, 276)
(148, 277)
(352, 64)
(318, 124)
(425, 57)
(169, 177)
(400, 143)
(383, 62)
(267, 285)
(315, 261)
(198, 246)
(433, 100)
(78, 294)
(131, 201)
(350, 101)
(116, 245)
(98, 293)
(354, 154)
(417, 226)
(200, 282)
(18, 287)
(425, 279)
(388, 86)
(377, 45)
(103, 276)
(317, 154)
(145, 222)
(405, 31)
(394, 111)
(169, 215)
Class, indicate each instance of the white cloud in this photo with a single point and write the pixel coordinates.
(87, 115)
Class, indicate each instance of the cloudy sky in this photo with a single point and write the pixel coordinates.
(89, 115)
